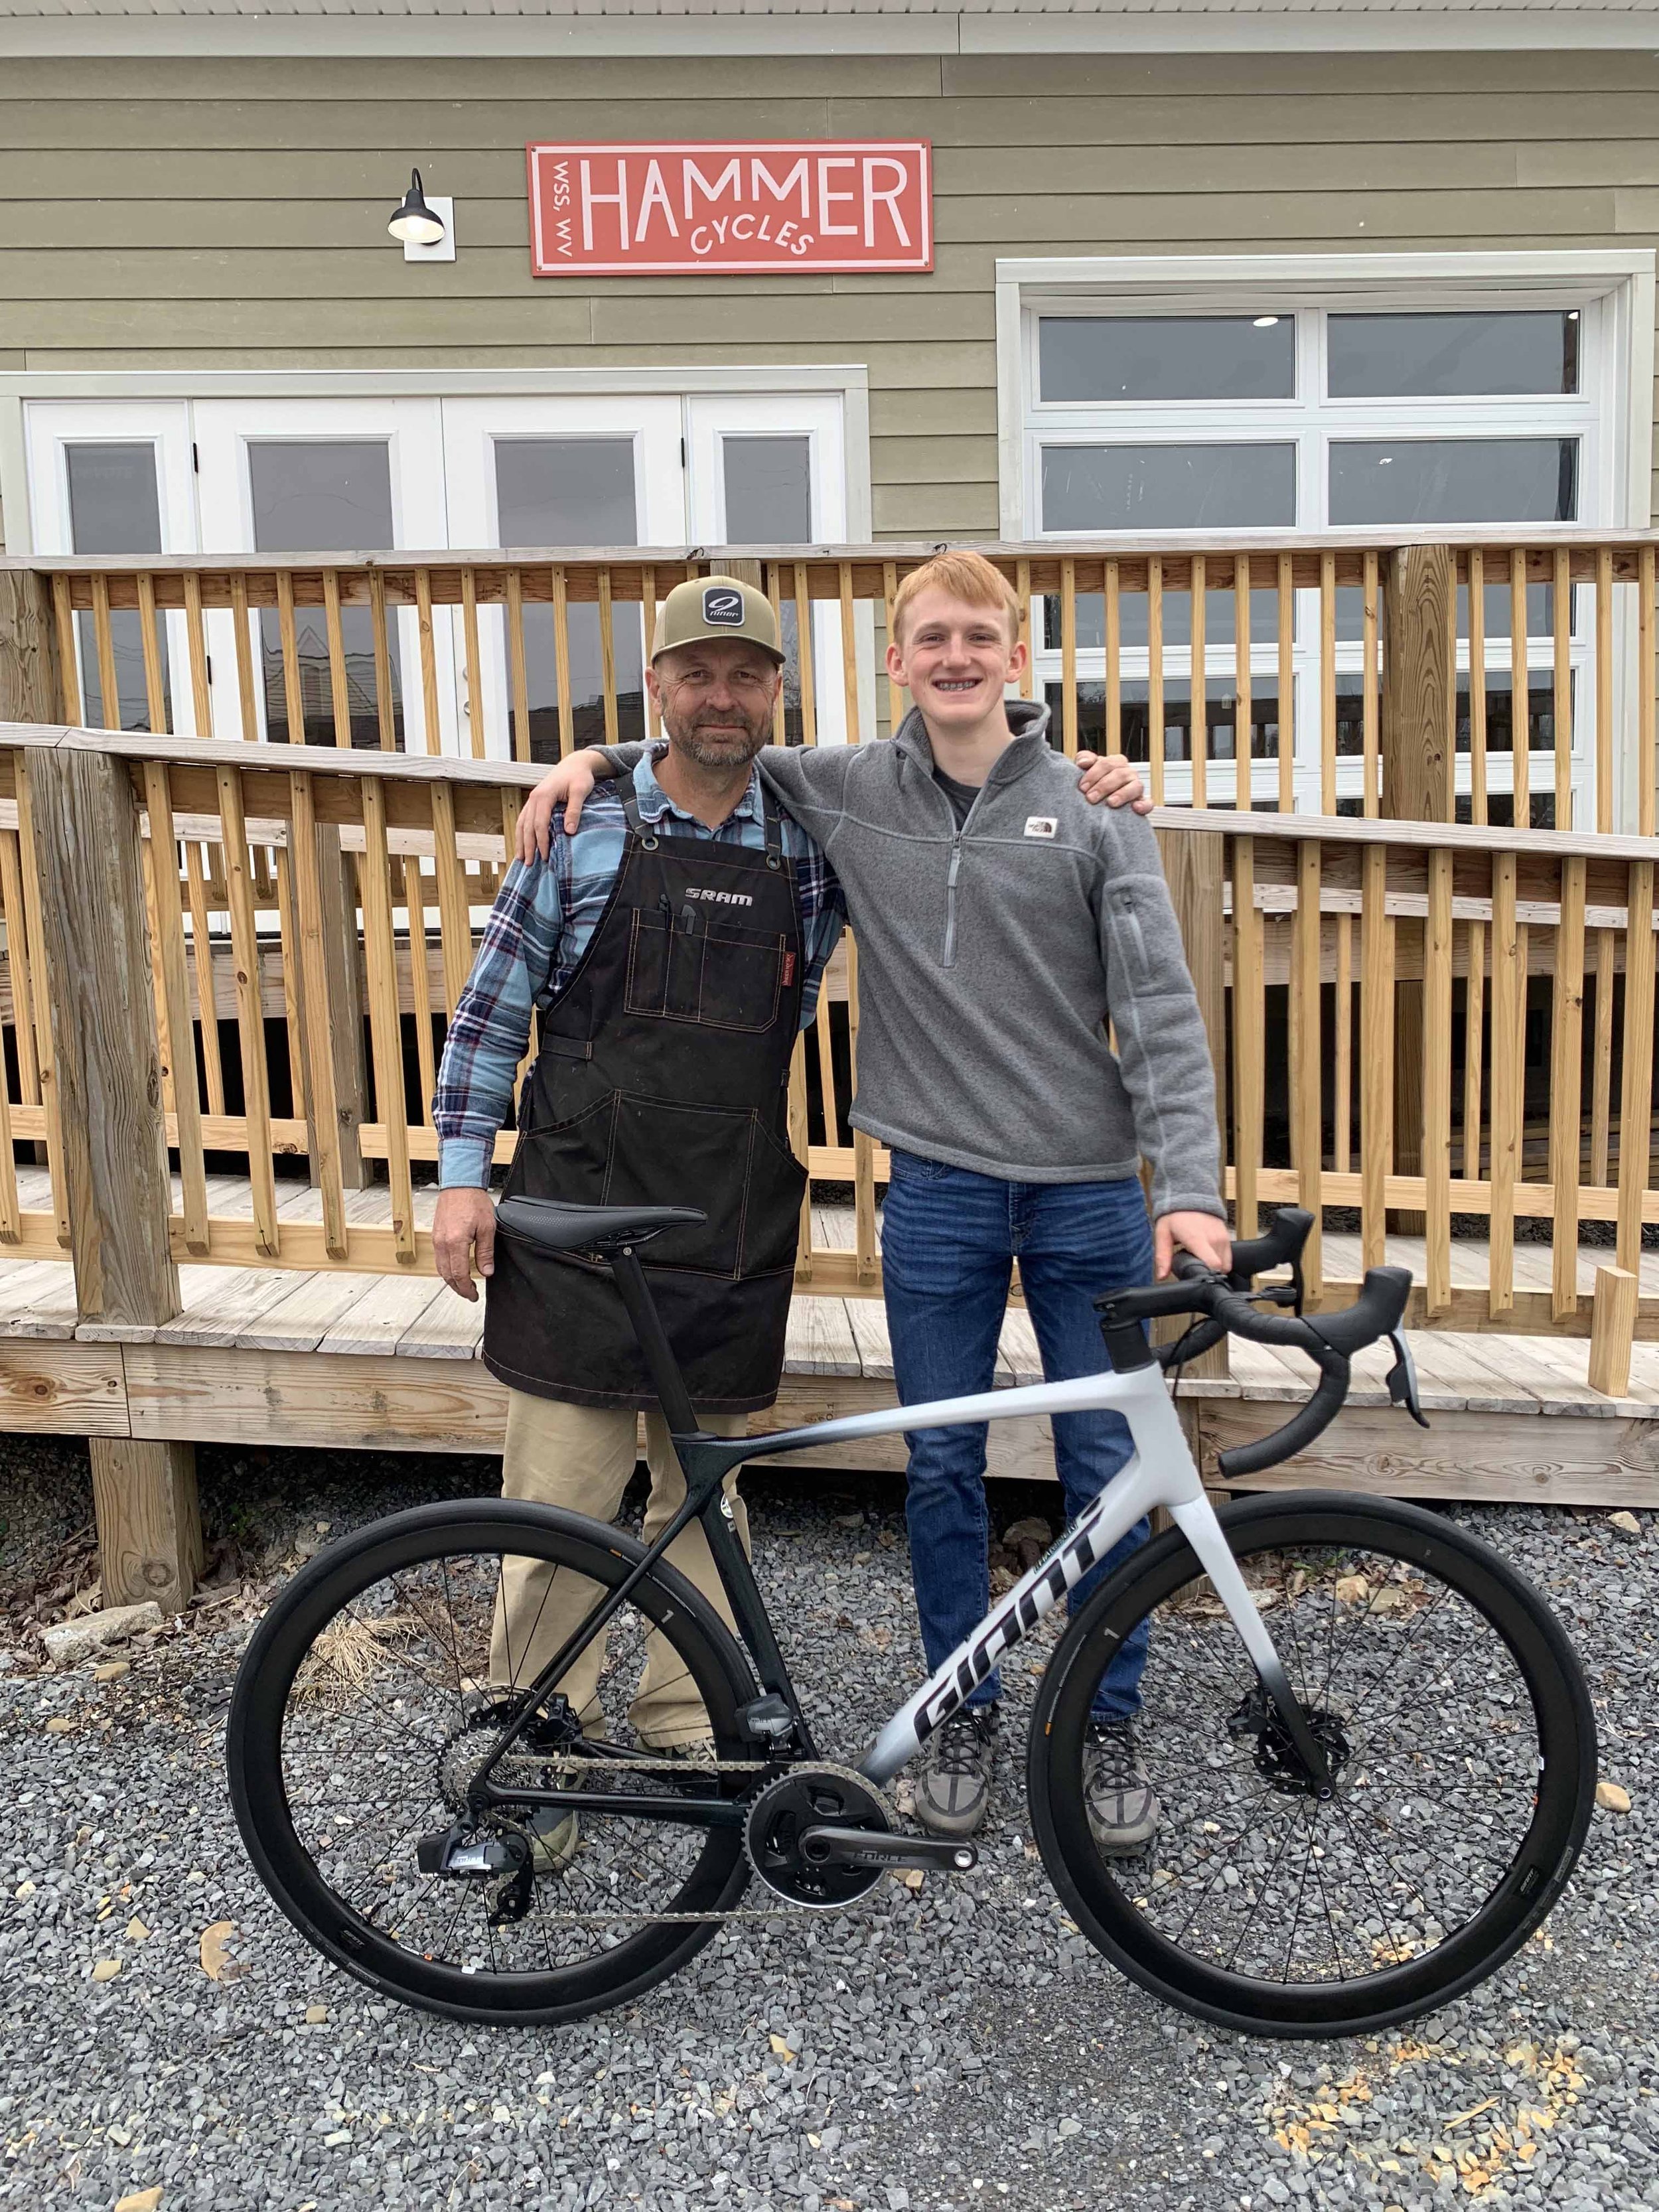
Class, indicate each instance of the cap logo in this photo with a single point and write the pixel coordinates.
(724, 606)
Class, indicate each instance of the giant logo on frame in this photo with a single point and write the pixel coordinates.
(761, 209)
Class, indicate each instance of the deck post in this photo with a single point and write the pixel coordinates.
(29, 691)
(83, 812)
(1194, 868)
(1419, 676)
(1612, 1330)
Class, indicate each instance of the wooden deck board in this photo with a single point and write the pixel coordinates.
(375, 1321)
(451, 1327)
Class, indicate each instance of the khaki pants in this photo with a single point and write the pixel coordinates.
(581, 1457)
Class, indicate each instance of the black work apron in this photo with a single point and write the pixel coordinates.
(661, 1080)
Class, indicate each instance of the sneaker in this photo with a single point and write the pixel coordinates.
(1122, 1806)
(553, 1839)
(954, 1785)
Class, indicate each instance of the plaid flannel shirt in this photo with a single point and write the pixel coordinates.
(543, 916)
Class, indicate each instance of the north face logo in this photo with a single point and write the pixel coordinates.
(725, 607)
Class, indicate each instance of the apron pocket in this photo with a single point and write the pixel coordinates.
(742, 971)
(568, 1160)
(671, 1155)
(715, 973)
(777, 1184)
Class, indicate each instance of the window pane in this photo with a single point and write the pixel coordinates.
(1221, 718)
(326, 496)
(1220, 609)
(1438, 356)
(768, 501)
(1168, 487)
(1167, 357)
(573, 492)
(115, 508)
(1415, 480)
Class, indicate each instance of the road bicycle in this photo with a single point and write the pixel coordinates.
(1371, 1740)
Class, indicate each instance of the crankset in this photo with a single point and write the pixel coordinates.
(821, 1836)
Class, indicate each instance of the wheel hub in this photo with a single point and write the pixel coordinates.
(813, 1797)
(1277, 1758)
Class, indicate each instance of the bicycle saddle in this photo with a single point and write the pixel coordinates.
(558, 1227)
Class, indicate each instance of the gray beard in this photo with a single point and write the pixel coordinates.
(716, 756)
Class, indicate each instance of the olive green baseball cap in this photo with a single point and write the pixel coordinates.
(716, 606)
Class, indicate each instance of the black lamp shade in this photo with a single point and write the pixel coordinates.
(414, 222)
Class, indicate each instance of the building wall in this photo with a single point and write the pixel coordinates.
(229, 214)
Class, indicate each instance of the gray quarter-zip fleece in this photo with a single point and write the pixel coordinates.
(992, 957)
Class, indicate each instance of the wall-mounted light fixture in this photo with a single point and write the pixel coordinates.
(425, 228)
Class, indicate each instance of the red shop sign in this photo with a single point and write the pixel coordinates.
(757, 208)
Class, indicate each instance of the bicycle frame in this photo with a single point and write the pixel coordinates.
(1160, 1472)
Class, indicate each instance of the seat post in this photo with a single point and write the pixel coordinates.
(664, 1369)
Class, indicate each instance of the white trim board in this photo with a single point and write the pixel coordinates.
(946, 32)
(1212, 282)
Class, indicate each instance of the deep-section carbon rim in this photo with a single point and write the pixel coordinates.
(1468, 1771)
(343, 1727)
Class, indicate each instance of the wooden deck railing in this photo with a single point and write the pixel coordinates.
(1370, 988)
(521, 655)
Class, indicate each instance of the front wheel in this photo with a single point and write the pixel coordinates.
(377, 1686)
(1457, 1726)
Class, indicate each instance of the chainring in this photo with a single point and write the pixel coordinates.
(811, 1797)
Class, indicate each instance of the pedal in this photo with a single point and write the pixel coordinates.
(768, 1719)
(863, 1847)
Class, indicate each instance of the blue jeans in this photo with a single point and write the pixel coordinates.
(949, 1239)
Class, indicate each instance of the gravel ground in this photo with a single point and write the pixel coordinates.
(954, 2047)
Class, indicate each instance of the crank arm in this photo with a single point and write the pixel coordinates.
(867, 1847)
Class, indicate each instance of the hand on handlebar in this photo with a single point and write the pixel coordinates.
(1200, 1234)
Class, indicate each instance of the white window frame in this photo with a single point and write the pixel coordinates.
(1612, 415)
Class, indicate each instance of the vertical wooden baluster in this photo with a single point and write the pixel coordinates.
(1561, 655)
(1306, 1137)
(241, 618)
(287, 632)
(1286, 687)
(1603, 689)
(11, 1214)
(454, 920)
(1327, 685)
(34, 931)
(339, 689)
(155, 687)
(1566, 1062)
(849, 660)
(1244, 713)
(1068, 657)
(648, 626)
(1636, 1101)
(1437, 1081)
(1375, 1056)
(1342, 1104)
(250, 1010)
(206, 997)
(1249, 1095)
(895, 692)
(386, 719)
(1197, 685)
(1478, 805)
(608, 657)
(428, 647)
(1520, 693)
(809, 696)
(1475, 1046)
(864, 1179)
(1369, 716)
(780, 718)
(824, 1057)
(520, 748)
(293, 1007)
(68, 653)
(109, 688)
(561, 660)
(1023, 593)
(17, 963)
(420, 977)
(1114, 659)
(1505, 1117)
(474, 671)
(1155, 673)
(1645, 766)
(318, 1059)
(1602, 1063)
(201, 695)
(380, 961)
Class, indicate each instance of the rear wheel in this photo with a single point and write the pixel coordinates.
(1457, 1725)
(363, 1710)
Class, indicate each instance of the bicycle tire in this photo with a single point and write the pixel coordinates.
(1120, 1925)
(318, 1597)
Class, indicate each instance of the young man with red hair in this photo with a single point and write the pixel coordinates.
(1003, 922)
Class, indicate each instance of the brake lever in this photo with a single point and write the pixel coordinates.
(1403, 1379)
